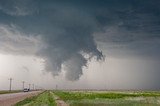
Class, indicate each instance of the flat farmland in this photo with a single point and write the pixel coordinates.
(43, 99)
(10, 98)
(93, 98)
(110, 98)
(6, 91)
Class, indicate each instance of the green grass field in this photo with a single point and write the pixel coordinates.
(13, 91)
(43, 99)
(110, 98)
(94, 98)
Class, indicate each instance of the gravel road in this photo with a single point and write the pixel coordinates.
(11, 99)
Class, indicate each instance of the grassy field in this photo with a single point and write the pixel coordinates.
(43, 99)
(6, 91)
(110, 98)
(94, 98)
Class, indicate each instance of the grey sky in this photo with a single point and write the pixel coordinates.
(66, 43)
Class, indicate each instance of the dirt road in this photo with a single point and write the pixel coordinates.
(11, 99)
(59, 102)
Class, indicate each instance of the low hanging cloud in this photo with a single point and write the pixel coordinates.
(61, 36)
(62, 32)
(57, 51)
(13, 41)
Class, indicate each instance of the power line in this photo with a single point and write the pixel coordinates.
(30, 86)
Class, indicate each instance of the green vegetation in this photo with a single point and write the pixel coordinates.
(109, 95)
(26, 101)
(43, 99)
(110, 98)
(91, 98)
(6, 91)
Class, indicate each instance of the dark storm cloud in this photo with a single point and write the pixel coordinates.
(17, 7)
(65, 32)
(133, 28)
(66, 28)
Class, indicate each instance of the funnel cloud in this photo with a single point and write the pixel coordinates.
(68, 34)
(61, 35)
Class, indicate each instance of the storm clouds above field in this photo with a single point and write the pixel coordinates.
(67, 35)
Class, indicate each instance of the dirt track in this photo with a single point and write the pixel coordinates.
(59, 102)
(11, 99)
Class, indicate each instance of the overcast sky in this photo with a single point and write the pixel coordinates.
(80, 44)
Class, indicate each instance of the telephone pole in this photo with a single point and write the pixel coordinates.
(10, 85)
(56, 87)
(23, 84)
(33, 86)
(29, 86)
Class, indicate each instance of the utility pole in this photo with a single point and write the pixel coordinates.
(29, 86)
(33, 86)
(10, 85)
(56, 87)
(23, 84)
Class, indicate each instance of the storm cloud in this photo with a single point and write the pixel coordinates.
(66, 33)
(63, 32)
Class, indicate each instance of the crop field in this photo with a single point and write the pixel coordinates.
(43, 99)
(94, 98)
(6, 91)
(102, 98)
